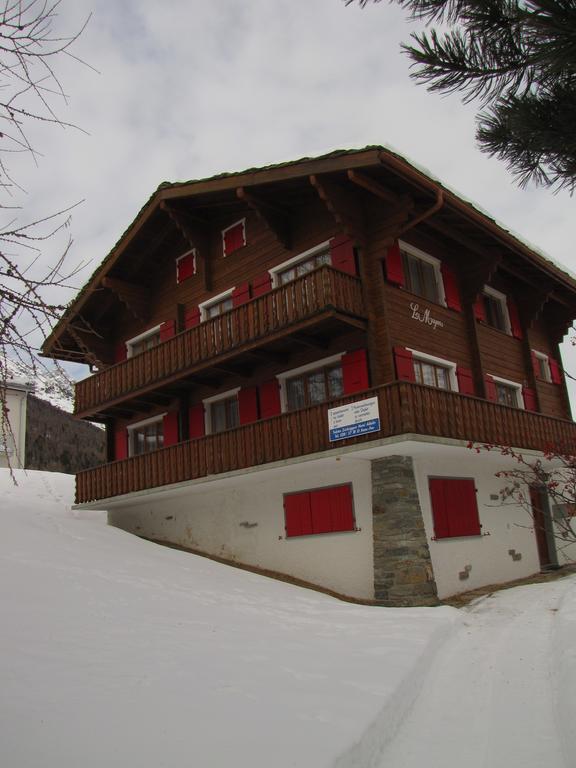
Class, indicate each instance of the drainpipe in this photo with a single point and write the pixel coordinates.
(439, 202)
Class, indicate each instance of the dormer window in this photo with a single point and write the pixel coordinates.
(185, 266)
(234, 237)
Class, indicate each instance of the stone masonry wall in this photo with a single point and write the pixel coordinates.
(403, 574)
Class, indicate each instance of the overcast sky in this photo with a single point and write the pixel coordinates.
(186, 89)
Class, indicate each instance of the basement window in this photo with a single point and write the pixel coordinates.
(322, 510)
(454, 507)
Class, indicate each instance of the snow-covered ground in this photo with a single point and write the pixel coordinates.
(118, 652)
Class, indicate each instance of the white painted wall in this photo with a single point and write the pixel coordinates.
(12, 443)
(242, 519)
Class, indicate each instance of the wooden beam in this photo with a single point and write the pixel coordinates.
(93, 349)
(344, 207)
(194, 230)
(314, 342)
(275, 219)
(135, 297)
(373, 186)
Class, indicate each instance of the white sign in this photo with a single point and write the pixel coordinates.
(354, 419)
(424, 316)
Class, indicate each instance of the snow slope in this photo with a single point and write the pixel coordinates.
(117, 652)
(52, 385)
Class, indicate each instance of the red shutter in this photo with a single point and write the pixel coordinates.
(297, 514)
(535, 364)
(355, 371)
(404, 364)
(185, 267)
(515, 324)
(241, 294)
(490, 388)
(262, 285)
(269, 395)
(529, 399)
(394, 268)
(192, 317)
(170, 427)
(120, 442)
(465, 381)
(480, 309)
(451, 290)
(197, 426)
(454, 507)
(248, 405)
(167, 330)
(555, 373)
(341, 507)
(120, 352)
(233, 238)
(320, 510)
(342, 254)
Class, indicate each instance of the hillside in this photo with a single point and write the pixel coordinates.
(53, 385)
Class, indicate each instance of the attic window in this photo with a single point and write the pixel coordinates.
(234, 237)
(185, 266)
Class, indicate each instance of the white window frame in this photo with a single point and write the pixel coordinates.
(515, 385)
(144, 423)
(136, 339)
(548, 374)
(207, 403)
(501, 297)
(179, 259)
(325, 362)
(449, 364)
(304, 256)
(205, 305)
(227, 229)
(434, 262)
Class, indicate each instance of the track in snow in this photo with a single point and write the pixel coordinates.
(489, 699)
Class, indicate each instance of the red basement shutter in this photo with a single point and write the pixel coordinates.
(262, 285)
(233, 238)
(170, 427)
(554, 371)
(342, 254)
(515, 324)
(529, 399)
(120, 352)
(480, 309)
(248, 405)
(320, 509)
(355, 371)
(490, 388)
(454, 507)
(196, 424)
(167, 330)
(341, 508)
(120, 442)
(269, 395)
(404, 364)
(465, 381)
(451, 290)
(535, 364)
(394, 267)
(297, 514)
(439, 511)
(241, 294)
(192, 317)
(185, 267)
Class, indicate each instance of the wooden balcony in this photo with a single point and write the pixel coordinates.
(325, 296)
(404, 408)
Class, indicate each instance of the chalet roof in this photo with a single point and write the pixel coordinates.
(377, 156)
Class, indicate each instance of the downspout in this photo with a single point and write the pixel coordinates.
(425, 214)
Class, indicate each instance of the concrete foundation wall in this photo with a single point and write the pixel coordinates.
(242, 519)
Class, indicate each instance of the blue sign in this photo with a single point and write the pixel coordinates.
(354, 419)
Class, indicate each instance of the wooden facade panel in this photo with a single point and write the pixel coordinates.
(502, 355)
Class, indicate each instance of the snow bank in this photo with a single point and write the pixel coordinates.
(119, 652)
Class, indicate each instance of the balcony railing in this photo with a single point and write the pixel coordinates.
(323, 290)
(404, 408)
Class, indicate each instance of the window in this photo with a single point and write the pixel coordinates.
(495, 309)
(432, 374)
(217, 305)
(454, 507)
(303, 267)
(421, 274)
(234, 237)
(541, 366)
(146, 436)
(507, 394)
(224, 414)
(185, 266)
(144, 341)
(315, 386)
(324, 510)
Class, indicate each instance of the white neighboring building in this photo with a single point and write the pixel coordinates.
(13, 434)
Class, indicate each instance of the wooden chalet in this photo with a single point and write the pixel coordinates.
(237, 311)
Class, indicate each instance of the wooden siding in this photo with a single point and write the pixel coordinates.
(304, 299)
(404, 409)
